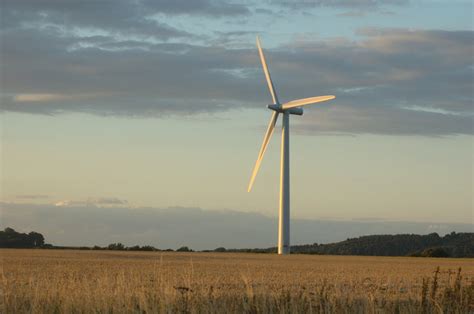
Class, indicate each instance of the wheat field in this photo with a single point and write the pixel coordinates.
(70, 281)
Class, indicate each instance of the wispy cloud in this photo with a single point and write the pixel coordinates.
(39, 97)
(32, 197)
(93, 202)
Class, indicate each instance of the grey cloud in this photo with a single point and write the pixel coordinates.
(376, 78)
(110, 201)
(362, 13)
(91, 7)
(203, 7)
(200, 229)
(128, 82)
(233, 39)
(32, 196)
(100, 202)
(110, 14)
(366, 119)
(362, 4)
(352, 13)
(117, 17)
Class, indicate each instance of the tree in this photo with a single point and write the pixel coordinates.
(9, 238)
(36, 239)
(116, 246)
(10, 230)
(184, 249)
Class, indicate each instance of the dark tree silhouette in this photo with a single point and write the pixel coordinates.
(36, 238)
(453, 245)
(9, 238)
(116, 246)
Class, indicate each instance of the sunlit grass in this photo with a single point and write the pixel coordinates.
(48, 281)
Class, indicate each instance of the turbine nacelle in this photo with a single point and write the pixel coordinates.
(278, 108)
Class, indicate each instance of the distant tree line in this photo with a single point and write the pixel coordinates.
(431, 245)
(9, 238)
(146, 248)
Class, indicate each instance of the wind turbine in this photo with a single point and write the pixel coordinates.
(292, 107)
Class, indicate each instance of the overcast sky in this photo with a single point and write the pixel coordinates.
(162, 104)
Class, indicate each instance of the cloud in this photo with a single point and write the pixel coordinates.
(352, 13)
(373, 119)
(102, 202)
(112, 14)
(110, 201)
(360, 4)
(32, 196)
(211, 8)
(39, 97)
(72, 18)
(68, 57)
(200, 229)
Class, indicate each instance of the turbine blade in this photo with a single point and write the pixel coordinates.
(266, 140)
(306, 101)
(267, 73)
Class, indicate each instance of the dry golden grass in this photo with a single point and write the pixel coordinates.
(49, 281)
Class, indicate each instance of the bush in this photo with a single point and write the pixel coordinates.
(434, 252)
(116, 247)
(148, 248)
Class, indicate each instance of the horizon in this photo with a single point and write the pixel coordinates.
(185, 248)
(84, 225)
(132, 106)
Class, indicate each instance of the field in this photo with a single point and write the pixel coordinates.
(49, 281)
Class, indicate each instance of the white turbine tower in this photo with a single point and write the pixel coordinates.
(292, 107)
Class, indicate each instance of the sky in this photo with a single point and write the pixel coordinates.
(161, 105)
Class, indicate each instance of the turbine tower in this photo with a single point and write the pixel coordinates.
(292, 107)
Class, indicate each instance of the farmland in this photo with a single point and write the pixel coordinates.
(47, 281)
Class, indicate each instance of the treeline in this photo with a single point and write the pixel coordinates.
(9, 238)
(431, 245)
(122, 247)
(451, 245)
